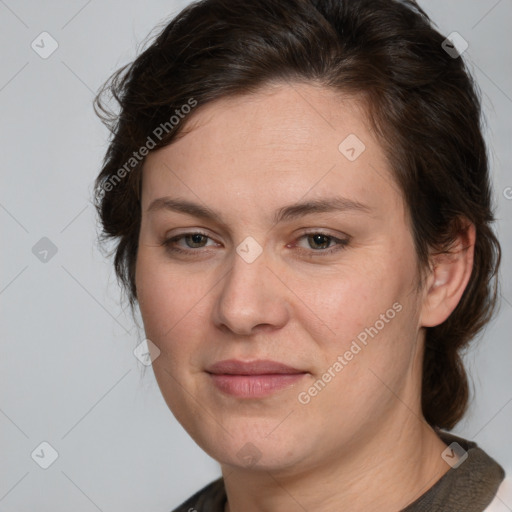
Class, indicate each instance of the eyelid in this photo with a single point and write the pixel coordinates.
(323, 231)
(190, 231)
(338, 236)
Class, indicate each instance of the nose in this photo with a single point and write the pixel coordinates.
(251, 298)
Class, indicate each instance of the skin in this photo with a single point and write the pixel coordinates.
(361, 443)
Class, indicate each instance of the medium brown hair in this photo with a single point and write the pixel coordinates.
(421, 101)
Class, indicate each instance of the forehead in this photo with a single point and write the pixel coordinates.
(278, 145)
(294, 117)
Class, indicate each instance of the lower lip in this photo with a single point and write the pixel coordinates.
(254, 386)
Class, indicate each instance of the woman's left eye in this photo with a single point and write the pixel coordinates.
(322, 242)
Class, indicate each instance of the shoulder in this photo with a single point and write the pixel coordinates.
(210, 498)
(503, 499)
(471, 483)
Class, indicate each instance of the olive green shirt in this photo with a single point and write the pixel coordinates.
(470, 487)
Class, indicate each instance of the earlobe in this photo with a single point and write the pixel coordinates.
(449, 276)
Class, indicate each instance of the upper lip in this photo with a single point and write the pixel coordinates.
(259, 367)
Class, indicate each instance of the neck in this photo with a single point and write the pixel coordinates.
(386, 471)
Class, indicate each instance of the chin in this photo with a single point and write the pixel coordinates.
(251, 447)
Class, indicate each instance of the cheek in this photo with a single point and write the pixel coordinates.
(371, 312)
(363, 365)
(169, 304)
(352, 296)
(165, 297)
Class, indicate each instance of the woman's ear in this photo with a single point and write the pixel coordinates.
(448, 278)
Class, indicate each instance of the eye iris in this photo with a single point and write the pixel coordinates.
(195, 240)
(320, 241)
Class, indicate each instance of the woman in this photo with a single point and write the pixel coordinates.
(300, 195)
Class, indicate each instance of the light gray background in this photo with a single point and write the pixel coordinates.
(68, 374)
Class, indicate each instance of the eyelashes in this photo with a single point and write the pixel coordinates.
(195, 243)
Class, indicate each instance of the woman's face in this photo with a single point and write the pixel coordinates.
(285, 303)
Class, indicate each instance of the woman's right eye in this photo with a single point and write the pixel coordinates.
(188, 242)
(195, 240)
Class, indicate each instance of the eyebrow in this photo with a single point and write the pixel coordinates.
(287, 213)
(183, 206)
(330, 204)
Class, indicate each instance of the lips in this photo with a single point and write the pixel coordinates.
(262, 367)
(252, 379)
